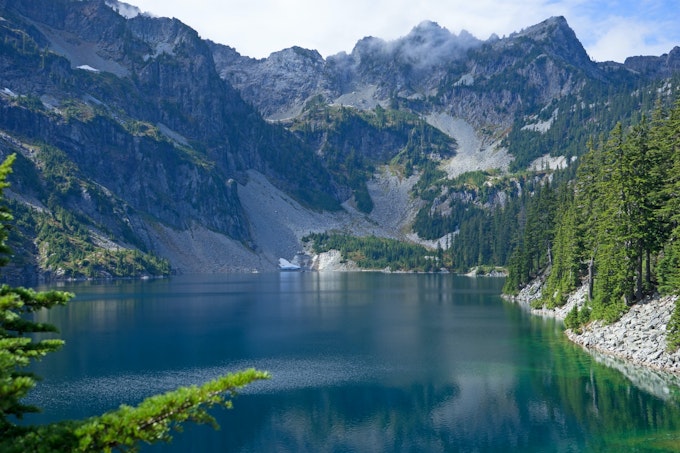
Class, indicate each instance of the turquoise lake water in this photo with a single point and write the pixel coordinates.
(360, 362)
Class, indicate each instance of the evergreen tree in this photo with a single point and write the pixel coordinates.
(565, 265)
(614, 278)
(587, 209)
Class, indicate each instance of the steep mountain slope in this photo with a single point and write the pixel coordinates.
(125, 124)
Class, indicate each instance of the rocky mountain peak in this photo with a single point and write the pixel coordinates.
(559, 41)
(428, 43)
(545, 29)
(369, 45)
(431, 32)
(411, 67)
(289, 77)
(428, 31)
(551, 40)
(295, 56)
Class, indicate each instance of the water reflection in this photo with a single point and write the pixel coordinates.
(360, 362)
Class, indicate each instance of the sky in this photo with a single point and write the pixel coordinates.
(608, 29)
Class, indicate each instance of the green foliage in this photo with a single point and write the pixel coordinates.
(67, 244)
(363, 200)
(575, 119)
(127, 427)
(371, 252)
(432, 224)
(143, 128)
(673, 329)
(74, 110)
(576, 318)
(122, 429)
(61, 172)
(30, 102)
(668, 268)
(299, 171)
(17, 349)
(564, 270)
(67, 248)
(530, 245)
(564, 227)
(430, 181)
(468, 207)
(472, 180)
(317, 199)
(5, 215)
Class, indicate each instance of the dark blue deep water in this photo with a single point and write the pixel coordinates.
(360, 362)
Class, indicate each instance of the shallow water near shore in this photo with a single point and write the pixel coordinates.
(359, 362)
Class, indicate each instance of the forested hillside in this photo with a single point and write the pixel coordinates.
(615, 227)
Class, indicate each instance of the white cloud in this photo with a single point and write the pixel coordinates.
(625, 38)
(123, 9)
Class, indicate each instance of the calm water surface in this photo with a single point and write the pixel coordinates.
(360, 362)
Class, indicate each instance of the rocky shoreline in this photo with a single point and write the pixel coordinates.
(638, 338)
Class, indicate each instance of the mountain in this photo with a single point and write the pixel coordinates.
(152, 141)
(142, 148)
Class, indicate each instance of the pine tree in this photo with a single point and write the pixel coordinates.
(613, 285)
(564, 272)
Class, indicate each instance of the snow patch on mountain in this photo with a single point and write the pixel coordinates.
(89, 68)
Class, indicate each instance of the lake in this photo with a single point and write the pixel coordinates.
(359, 362)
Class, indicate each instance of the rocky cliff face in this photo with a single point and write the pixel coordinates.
(286, 79)
(137, 110)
